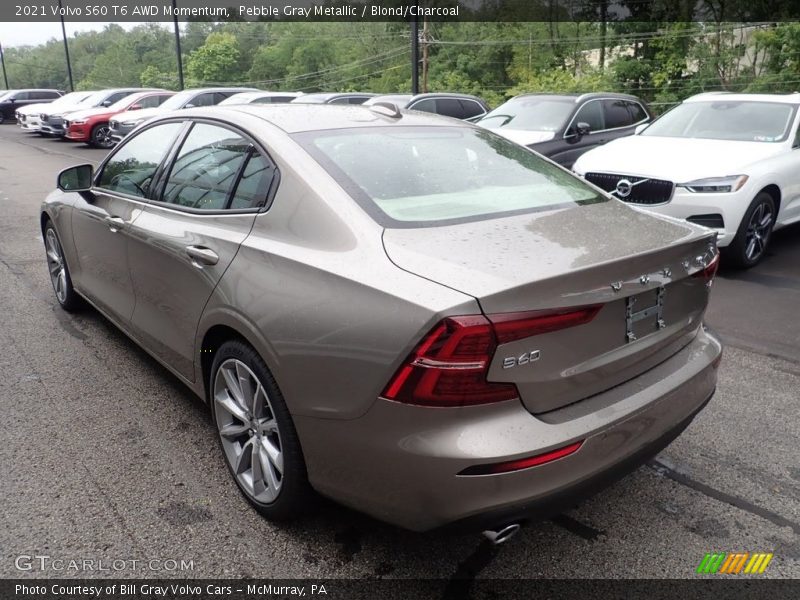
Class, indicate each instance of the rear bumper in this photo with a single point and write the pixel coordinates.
(400, 463)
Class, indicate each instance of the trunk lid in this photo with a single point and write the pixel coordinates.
(637, 266)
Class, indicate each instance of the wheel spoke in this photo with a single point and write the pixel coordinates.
(246, 386)
(243, 460)
(273, 453)
(233, 430)
(751, 245)
(233, 387)
(271, 478)
(230, 406)
(257, 466)
(765, 221)
(62, 283)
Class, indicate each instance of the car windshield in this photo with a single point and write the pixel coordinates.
(531, 113)
(124, 103)
(95, 99)
(4, 94)
(417, 176)
(733, 120)
(179, 100)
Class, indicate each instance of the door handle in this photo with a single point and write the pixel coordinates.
(201, 255)
(115, 223)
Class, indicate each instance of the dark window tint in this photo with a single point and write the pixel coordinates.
(470, 108)
(427, 105)
(21, 96)
(130, 170)
(116, 97)
(151, 101)
(44, 95)
(637, 112)
(357, 99)
(590, 113)
(274, 100)
(255, 183)
(206, 168)
(617, 114)
(340, 101)
(206, 99)
(449, 107)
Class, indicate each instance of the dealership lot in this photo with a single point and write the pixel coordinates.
(107, 457)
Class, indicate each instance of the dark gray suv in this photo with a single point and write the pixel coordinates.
(564, 126)
(12, 100)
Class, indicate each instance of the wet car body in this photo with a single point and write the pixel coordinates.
(476, 369)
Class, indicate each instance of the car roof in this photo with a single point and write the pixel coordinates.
(446, 95)
(325, 96)
(793, 98)
(297, 118)
(579, 97)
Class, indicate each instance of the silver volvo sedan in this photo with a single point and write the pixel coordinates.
(405, 313)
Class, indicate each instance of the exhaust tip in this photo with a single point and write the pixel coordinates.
(499, 536)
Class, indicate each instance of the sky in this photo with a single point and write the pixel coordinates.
(20, 34)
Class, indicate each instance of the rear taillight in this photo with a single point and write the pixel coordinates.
(449, 366)
(709, 271)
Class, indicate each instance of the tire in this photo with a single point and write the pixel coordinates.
(101, 137)
(66, 295)
(256, 434)
(752, 238)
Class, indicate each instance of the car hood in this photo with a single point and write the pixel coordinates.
(62, 110)
(525, 137)
(135, 115)
(33, 109)
(675, 159)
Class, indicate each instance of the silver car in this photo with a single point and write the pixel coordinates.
(405, 313)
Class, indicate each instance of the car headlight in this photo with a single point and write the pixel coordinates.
(133, 123)
(716, 185)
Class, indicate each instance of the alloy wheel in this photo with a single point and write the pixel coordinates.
(248, 430)
(758, 231)
(102, 136)
(56, 265)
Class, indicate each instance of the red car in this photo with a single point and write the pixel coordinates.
(91, 125)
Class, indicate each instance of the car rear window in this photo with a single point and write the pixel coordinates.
(420, 176)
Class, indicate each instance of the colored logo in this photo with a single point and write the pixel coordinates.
(733, 563)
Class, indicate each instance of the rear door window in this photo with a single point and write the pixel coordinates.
(470, 108)
(206, 168)
(638, 114)
(255, 183)
(616, 114)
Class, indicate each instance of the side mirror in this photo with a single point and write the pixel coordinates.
(582, 128)
(640, 128)
(190, 105)
(135, 107)
(12, 100)
(107, 103)
(76, 179)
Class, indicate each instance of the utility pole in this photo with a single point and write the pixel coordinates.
(178, 45)
(66, 48)
(415, 55)
(3, 62)
(424, 55)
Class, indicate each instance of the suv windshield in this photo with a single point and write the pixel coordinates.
(417, 176)
(179, 99)
(734, 120)
(532, 113)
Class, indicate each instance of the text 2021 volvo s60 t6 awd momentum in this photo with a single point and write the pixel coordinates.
(405, 313)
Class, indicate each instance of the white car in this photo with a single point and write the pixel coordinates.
(261, 98)
(727, 161)
(28, 116)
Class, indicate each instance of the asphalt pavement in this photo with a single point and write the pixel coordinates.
(105, 456)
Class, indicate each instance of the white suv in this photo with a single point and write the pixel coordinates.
(727, 161)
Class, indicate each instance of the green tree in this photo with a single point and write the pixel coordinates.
(215, 61)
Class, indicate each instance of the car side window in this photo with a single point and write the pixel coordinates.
(206, 99)
(426, 105)
(130, 170)
(254, 185)
(638, 114)
(151, 101)
(796, 143)
(590, 113)
(616, 113)
(113, 98)
(449, 107)
(470, 108)
(206, 168)
(22, 96)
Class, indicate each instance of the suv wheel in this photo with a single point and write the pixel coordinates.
(752, 238)
(101, 136)
(256, 433)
